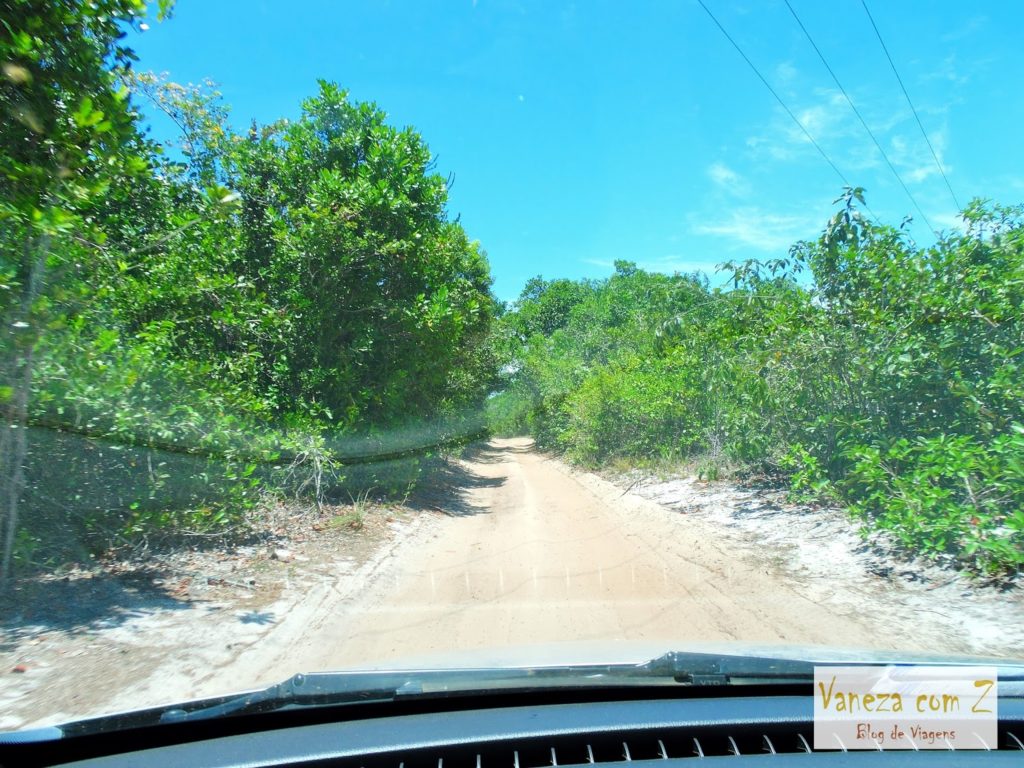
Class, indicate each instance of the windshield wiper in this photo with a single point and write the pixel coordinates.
(718, 669)
(304, 690)
(323, 688)
(675, 669)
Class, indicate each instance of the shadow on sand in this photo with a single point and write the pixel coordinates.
(448, 485)
(81, 603)
(87, 602)
(491, 452)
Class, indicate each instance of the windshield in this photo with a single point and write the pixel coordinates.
(493, 333)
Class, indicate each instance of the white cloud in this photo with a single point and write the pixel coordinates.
(785, 72)
(969, 28)
(773, 148)
(836, 129)
(824, 120)
(948, 71)
(761, 230)
(947, 221)
(829, 120)
(727, 179)
(914, 160)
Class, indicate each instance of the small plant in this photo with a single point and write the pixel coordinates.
(351, 520)
(312, 470)
(355, 518)
(709, 470)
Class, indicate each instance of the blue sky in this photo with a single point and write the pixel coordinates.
(580, 133)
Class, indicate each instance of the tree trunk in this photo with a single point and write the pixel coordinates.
(13, 440)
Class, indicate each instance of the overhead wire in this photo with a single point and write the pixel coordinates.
(860, 117)
(782, 103)
(906, 95)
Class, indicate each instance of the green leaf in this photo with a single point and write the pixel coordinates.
(82, 114)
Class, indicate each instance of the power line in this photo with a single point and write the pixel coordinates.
(781, 102)
(773, 93)
(856, 111)
(912, 109)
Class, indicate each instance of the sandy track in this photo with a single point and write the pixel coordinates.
(530, 553)
(554, 555)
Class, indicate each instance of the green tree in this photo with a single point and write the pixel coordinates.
(180, 321)
(889, 381)
(68, 133)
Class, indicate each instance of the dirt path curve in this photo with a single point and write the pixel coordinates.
(545, 554)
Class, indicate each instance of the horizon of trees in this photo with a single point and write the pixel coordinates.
(188, 330)
(863, 370)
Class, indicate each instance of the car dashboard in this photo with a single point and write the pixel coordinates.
(538, 730)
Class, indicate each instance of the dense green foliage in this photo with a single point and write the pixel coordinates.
(189, 326)
(889, 380)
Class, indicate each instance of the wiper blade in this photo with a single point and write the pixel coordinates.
(718, 669)
(333, 688)
(305, 690)
(676, 669)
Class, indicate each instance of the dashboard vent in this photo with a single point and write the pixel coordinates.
(563, 751)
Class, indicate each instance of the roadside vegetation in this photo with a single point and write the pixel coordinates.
(862, 369)
(187, 327)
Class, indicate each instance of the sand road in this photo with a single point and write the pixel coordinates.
(522, 553)
(537, 553)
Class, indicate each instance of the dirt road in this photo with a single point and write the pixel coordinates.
(544, 554)
(532, 552)
(527, 552)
